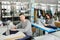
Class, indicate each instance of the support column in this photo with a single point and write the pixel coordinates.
(0, 10)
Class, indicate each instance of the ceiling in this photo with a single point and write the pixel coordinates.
(36, 1)
(17, 0)
(47, 1)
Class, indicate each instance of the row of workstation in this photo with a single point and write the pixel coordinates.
(50, 34)
(40, 27)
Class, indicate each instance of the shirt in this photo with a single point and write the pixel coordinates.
(50, 22)
(25, 27)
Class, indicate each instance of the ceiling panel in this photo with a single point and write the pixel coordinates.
(17, 0)
(36, 1)
(46, 1)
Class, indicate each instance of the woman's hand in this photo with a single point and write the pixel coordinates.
(46, 24)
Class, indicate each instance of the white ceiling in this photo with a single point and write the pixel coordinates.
(47, 1)
(17, 0)
(37, 1)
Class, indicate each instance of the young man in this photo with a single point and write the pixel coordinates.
(24, 25)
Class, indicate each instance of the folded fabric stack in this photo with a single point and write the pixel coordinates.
(15, 36)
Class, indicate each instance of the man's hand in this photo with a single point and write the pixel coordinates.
(13, 30)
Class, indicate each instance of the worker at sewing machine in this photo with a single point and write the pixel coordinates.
(24, 25)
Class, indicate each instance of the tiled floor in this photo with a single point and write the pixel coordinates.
(53, 36)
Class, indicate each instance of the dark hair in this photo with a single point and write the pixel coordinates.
(21, 14)
(48, 15)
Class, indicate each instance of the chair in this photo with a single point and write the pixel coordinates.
(57, 24)
(33, 30)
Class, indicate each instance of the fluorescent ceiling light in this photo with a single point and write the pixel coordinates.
(58, 1)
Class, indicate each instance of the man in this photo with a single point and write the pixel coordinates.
(24, 25)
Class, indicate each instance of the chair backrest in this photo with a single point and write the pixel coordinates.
(57, 24)
(33, 29)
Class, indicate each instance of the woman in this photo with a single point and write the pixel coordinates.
(50, 22)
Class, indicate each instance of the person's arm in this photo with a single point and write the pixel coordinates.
(18, 25)
(28, 26)
(14, 28)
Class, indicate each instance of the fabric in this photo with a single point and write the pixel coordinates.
(26, 38)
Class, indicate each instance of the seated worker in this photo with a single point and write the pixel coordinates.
(49, 21)
(23, 26)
